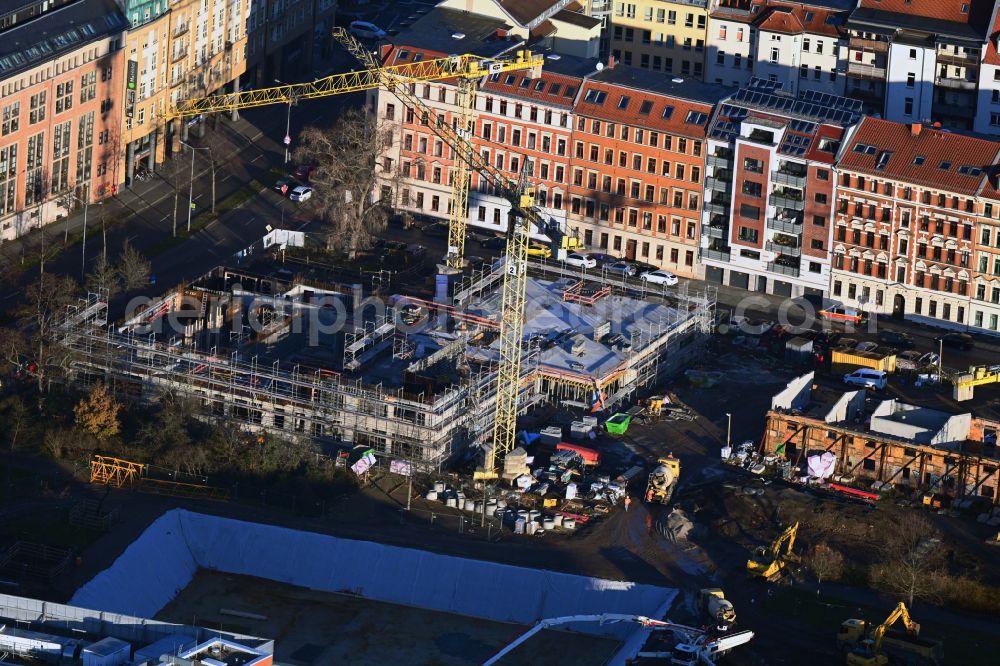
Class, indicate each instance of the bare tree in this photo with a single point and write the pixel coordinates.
(826, 563)
(133, 267)
(349, 168)
(175, 172)
(104, 276)
(45, 305)
(911, 553)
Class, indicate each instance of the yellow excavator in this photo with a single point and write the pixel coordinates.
(882, 648)
(769, 563)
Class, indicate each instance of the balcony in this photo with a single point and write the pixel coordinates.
(787, 225)
(720, 161)
(954, 84)
(717, 207)
(865, 71)
(966, 60)
(716, 254)
(871, 45)
(178, 55)
(784, 266)
(967, 111)
(181, 29)
(714, 232)
(716, 184)
(787, 199)
(762, 137)
(779, 248)
(789, 176)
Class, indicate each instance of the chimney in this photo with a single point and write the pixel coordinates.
(915, 128)
(501, 33)
(611, 62)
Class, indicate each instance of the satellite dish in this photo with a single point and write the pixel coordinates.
(600, 66)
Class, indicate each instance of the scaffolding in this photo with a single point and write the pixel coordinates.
(442, 405)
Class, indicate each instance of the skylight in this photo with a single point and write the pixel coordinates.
(570, 91)
(883, 159)
(525, 82)
(623, 102)
(696, 118)
(510, 79)
(967, 170)
(945, 165)
(540, 86)
(646, 107)
(919, 160)
(667, 112)
(554, 89)
(595, 96)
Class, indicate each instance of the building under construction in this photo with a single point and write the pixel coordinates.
(407, 377)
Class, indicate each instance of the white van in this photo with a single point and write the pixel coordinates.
(868, 378)
(366, 30)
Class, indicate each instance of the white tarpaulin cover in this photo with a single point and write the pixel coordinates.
(822, 466)
(166, 556)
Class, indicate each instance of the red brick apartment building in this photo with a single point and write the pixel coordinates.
(638, 166)
(61, 81)
(906, 220)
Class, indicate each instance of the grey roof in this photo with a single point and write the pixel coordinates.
(435, 29)
(641, 79)
(57, 32)
(107, 646)
(865, 18)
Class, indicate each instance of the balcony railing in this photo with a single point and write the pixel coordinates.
(714, 232)
(785, 201)
(718, 255)
(866, 71)
(788, 250)
(954, 84)
(181, 29)
(946, 58)
(785, 225)
(717, 184)
(178, 55)
(788, 178)
(717, 207)
(719, 161)
(775, 267)
(874, 45)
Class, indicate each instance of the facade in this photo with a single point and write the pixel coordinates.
(187, 49)
(668, 36)
(638, 166)
(801, 46)
(770, 189)
(906, 220)
(985, 301)
(61, 72)
(915, 61)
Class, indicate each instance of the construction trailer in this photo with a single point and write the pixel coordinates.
(269, 355)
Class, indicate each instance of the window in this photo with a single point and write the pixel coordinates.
(37, 114)
(64, 96)
(774, 54)
(8, 178)
(908, 106)
(750, 212)
(816, 244)
(820, 198)
(819, 221)
(11, 118)
(753, 165)
(88, 87)
(911, 80)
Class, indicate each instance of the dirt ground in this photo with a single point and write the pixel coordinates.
(313, 628)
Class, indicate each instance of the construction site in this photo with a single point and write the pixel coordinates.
(405, 377)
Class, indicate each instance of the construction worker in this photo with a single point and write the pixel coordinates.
(628, 500)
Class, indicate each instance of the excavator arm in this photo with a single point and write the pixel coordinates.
(782, 546)
(898, 613)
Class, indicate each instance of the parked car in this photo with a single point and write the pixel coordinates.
(868, 378)
(579, 259)
(839, 312)
(961, 341)
(493, 243)
(366, 30)
(896, 339)
(539, 250)
(659, 277)
(621, 268)
(286, 185)
(908, 360)
(301, 193)
(642, 267)
(866, 346)
(437, 229)
(603, 258)
(303, 172)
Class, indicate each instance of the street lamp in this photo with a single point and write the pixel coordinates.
(288, 125)
(86, 207)
(729, 428)
(191, 186)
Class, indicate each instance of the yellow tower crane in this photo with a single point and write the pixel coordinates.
(397, 79)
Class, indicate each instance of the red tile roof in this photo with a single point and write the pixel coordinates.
(611, 109)
(991, 57)
(943, 10)
(781, 19)
(786, 17)
(938, 149)
(549, 88)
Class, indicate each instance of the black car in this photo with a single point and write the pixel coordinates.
(960, 341)
(493, 243)
(896, 339)
(436, 229)
(603, 258)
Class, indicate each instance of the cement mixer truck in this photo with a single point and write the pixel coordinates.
(717, 608)
(663, 479)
